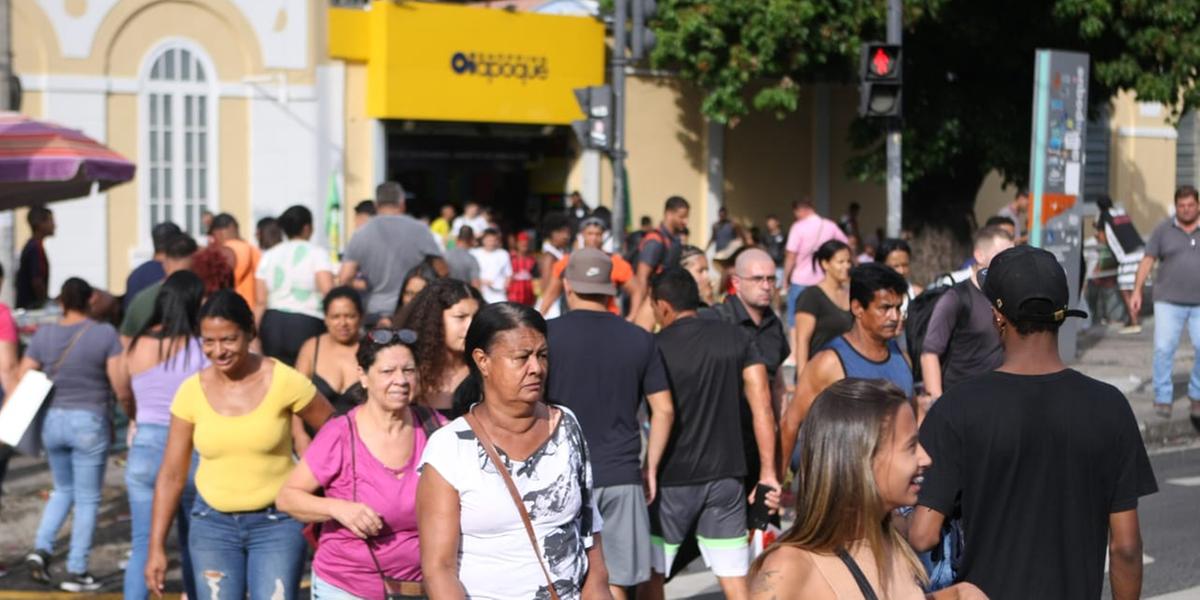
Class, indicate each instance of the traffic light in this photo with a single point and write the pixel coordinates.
(595, 130)
(880, 82)
(642, 39)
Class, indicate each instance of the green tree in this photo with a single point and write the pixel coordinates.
(968, 72)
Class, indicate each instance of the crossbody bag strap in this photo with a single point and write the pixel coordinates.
(861, 579)
(486, 441)
(354, 497)
(62, 357)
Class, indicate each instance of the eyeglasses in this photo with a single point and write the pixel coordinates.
(384, 337)
(760, 279)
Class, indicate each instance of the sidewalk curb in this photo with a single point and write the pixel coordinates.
(1162, 432)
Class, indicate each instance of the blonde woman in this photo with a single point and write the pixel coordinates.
(860, 461)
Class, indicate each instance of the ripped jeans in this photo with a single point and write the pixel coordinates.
(258, 554)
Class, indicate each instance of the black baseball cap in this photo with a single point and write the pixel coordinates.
(1027, 284)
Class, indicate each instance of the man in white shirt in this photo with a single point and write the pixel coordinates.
(472, 217)
(495, 267)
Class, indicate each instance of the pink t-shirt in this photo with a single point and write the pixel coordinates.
(8, 327)
(805, 236)
(342, 559)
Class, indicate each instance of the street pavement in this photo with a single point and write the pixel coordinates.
(1171, 522)
(1170, 535)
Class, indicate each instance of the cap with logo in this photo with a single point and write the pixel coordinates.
(589, 271)
(1027, 284)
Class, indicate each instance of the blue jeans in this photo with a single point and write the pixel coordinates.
(258, 553)
(76, 443)
(794, 290)
(323, 590)
(145, 459)
(1169, 321)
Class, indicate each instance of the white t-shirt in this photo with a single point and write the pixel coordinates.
(495, 269)
(290, 271)
(495, 558)
(556, 308)
(478, 225)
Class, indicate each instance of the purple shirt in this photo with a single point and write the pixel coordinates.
(805, 236)
(154, 389)
(342, 558)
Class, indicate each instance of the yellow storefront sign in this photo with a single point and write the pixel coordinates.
(453, 63)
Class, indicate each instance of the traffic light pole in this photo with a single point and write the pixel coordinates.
(618, 133)
(894, 203)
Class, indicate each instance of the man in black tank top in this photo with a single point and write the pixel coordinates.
(876, 294)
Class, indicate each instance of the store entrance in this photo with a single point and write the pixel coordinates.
(520, 171)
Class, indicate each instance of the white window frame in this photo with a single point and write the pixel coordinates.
(210, 88)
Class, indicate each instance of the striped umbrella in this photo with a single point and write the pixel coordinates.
(44, 162)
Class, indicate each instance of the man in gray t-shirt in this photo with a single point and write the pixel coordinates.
(463, 266)
(387, 248)
(1175, 246)
(960, 339)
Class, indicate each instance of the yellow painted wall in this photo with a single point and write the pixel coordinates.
(222, 35)
(359, 162)
(234, 176)
(843, 107)
(665, 140)
(768, 163)
(1141, 169)
(122, 199)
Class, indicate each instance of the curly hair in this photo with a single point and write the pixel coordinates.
(213, 268)
(424, 315)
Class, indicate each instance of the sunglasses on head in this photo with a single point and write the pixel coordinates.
(387, 336)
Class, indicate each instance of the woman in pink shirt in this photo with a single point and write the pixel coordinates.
(366, 463)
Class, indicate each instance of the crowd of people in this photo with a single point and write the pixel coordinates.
(442, 411)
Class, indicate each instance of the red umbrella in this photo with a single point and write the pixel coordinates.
(43, 162)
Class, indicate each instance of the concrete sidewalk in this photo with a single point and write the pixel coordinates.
(1126, 362)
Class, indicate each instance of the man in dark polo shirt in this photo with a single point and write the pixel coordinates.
(749, 308)
(1175, 245)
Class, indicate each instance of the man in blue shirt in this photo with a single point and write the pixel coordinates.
(151, 271)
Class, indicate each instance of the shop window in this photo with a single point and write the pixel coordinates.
(179, 130)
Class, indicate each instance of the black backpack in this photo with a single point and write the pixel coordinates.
(920, 311)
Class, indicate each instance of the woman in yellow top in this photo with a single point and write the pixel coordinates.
(237, 415)
(861, 461)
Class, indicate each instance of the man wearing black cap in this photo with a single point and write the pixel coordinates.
(603, 367)
(1046, 463)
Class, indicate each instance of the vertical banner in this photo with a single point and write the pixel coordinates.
(1060, 100)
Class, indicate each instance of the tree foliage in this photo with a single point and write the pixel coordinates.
(968, 70)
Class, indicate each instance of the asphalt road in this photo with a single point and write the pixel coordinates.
(1170, 535)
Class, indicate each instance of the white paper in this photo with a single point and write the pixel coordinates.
(22, 406)
(1071, 184)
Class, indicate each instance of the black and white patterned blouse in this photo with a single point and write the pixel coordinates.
(495, 557)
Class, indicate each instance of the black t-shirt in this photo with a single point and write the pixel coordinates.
(1038, 462)
(832, 321)
(705, 359)
(601, 367)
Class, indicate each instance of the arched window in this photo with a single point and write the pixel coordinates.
(178, 134)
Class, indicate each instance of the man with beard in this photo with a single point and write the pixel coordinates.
(1174, 244)
(868, 351)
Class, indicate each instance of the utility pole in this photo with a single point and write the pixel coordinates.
(618, 132)
(894, 202)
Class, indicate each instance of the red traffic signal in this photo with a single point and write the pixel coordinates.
(880, 62)
(880, 87)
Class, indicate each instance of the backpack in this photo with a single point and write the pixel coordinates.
(920, 311)
(655, 236)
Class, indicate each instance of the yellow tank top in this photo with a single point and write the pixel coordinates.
(244, 460)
